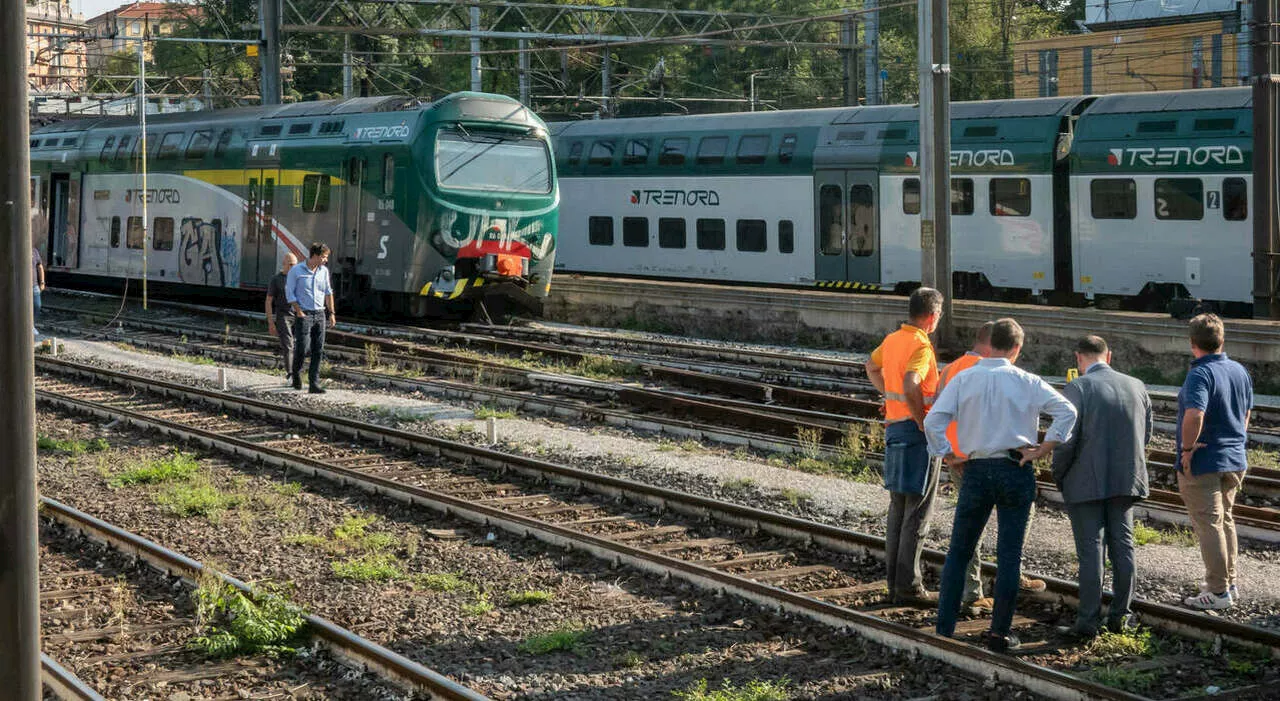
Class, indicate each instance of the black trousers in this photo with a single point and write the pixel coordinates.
(308, 337)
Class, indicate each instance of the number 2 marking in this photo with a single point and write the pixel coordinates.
(1213, 199)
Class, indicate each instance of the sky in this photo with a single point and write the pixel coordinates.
(93, 8)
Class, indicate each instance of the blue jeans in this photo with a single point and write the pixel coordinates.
(35, 297)
(1010, 489)
(308, 335)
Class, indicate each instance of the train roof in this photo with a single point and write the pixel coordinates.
(779, 119)
(1173, 101)
(985, 109)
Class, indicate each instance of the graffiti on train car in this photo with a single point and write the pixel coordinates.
(459, 232)
(207, 254)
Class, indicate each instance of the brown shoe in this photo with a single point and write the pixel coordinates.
(1031, 585)
(923, 597)
(980, 606)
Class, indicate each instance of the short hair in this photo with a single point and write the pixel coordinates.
(319, 249)
(1006, 335)
(1091, 345)
(923, 302)
(984, 332)
(1207, 332)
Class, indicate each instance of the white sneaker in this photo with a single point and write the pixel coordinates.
(1208, 601)
(1232, 591)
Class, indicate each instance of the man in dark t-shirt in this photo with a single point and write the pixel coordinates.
(279, 317)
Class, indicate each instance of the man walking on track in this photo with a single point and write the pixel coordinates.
(1213, 426)
(279, 316)
(310, 295)
(1101, 472)
(997, 409)
(905, 369)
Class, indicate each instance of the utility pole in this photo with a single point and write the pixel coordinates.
(206, 77)
(19, 582)
(935, 158)
(347, 84)
(606, 63)
(1266, 219)
(269, 13)
(524, 70)
(871, 54)
(142, 153)
(849, 38)
(476, 84)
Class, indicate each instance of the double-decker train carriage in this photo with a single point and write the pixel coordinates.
(832, 197)
(429, 209)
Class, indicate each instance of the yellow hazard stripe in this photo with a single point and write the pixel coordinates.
(847, 285)
(458, 289)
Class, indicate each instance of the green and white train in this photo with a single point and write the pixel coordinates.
(428, 208)
(1134, 198)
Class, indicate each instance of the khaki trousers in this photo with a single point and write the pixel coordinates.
(1209, 500)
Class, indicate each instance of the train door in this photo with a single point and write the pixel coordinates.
(848, 235)
(356, 204)
(258, 245)
(63, 215)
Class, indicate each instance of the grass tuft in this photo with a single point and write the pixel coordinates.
(1125, 679)
(236, 624)
(795, 497)
(1146, 535)
(479, 607)
(197, 499)
(754, 690)
(178, 467)
(351, 537)
(488, 412)
(529, 598)
(561, 640)
(72, 446)
(442, 581)
(1126, 644)
(373, 567)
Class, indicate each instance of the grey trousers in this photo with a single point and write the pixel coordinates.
(284, 331)
(909, 516)
(1092, 524)
(973, 573)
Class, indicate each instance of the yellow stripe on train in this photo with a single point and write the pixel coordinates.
(458, 289)
(847, 285)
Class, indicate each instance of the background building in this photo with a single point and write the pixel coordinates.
(113, 30)
(1138, 46)
(56, 61)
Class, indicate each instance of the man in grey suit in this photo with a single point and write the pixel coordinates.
(1102, 471)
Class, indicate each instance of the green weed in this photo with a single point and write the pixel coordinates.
(486, 412)
(1124, 679)
(529, 598)
(373, 567)
(479, 607)
(288, 489)
(1146, 535)
(72, 446)
(630, 659)
(348, 538)
(1260, 457)
(444, 581)
(1242, 667)
(175, 468)
(563, 639)
(795, 497)
(1126, 644)
(193, 359)
(372, 356)
(237, 624)
(199, 499)
(754, 690)
(810, 440)
(739, 484)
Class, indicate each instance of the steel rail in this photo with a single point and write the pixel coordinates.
(340, 642)
(63, 683)
(1177, 620)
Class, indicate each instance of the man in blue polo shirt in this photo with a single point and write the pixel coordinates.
(1213, 425)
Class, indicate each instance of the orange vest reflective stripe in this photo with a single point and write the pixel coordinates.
(960, 364)
(896, 351)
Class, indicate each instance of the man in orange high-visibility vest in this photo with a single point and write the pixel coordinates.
(905, 369)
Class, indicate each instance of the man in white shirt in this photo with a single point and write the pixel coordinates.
(996, 407)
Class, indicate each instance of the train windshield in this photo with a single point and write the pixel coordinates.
(475, 160)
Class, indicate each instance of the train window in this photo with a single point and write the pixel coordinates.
(1179, 198)
(1216, 124)
(199, 146)
(171, 144)
(635, 232)
(150, 142)
(711, 150)
(711, 234)
(637, 152)
(162, 234)
(224, 140)
(831, 220)
(671, 233)
(1113, 198)
(575, 153)
(911, 196)
(674, 151)
(862, 219)
(752, 149)
(270, 130)
(1163, 126)
(134, 235)
(69, 141)
(601, 153)
(600, 231)
(753, 235)
(300, 128)
(108, 147)
(123, 149)
(1235, 199)
(787, 150)
(786, 236)
(315, 193)
(115, 232)
(961, 196)
(388, 174)
(1010, 197)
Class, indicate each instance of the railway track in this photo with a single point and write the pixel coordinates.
(111, 630)
(755, 425)
(809, 569)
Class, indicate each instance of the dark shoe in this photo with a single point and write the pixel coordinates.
(923, 597)
(1076, 635)
(1031, 585)
(316, 389)
(297, 382)
(1001, 643)
(1120, 625)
